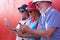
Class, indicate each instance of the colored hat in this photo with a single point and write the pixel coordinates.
(34, 1)
(22, 8)
(31, 6)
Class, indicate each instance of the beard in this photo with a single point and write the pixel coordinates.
(42, 10)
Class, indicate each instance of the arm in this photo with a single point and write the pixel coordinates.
(29, 36)
(44, 33)
(14, 30)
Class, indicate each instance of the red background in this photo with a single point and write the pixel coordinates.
(8, 9)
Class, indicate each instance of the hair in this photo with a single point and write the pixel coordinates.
(49, 3)
(37, 13)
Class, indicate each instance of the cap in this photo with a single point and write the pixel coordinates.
(22, 8)
(31, 6)
(34, 1)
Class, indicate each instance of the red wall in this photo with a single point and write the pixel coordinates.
(56, 4)
(8, 8)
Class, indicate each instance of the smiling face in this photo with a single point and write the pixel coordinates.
(24, 14)
(34, 14)
(42, 6)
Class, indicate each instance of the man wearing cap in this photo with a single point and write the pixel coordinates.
(25, 18)
(49, 24)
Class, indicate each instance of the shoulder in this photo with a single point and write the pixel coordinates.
(54, 18)
(54, 11)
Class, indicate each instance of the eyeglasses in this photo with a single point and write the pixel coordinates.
(21, 11)
(30, 11)
(37, 4)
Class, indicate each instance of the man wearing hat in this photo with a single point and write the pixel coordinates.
(49, 24)
(25, 18)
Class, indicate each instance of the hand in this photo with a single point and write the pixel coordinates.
(14, 31)
(25, 29)
(19, 33)
(7, 22)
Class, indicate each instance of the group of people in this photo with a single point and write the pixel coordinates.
(40, 21)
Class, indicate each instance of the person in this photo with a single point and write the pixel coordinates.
(33, 22)
(49, 24)
(25, 18)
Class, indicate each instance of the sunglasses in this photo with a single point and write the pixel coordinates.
(37, 4)
(21, 11)
(30, 11)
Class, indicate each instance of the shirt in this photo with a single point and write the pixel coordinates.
(18, 26)
(32, 24)
(50, 20)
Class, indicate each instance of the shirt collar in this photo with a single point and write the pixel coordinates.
(46, 11)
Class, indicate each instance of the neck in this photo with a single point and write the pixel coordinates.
(37, 17)
(48, 6)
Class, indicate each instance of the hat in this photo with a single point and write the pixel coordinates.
(31, 6)
(34, 1)
(22, 8)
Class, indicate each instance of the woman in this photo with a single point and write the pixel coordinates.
(33, 22)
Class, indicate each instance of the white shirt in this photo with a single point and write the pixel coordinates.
(18, 26)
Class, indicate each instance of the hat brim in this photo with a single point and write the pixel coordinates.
(39, 1)
(29, 9)
(35, 2)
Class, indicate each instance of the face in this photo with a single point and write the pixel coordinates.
(41, 6)
(24, 14)
(32, 14)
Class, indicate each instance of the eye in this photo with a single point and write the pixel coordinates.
(36, 4)
(30, 11)
(21, 11)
